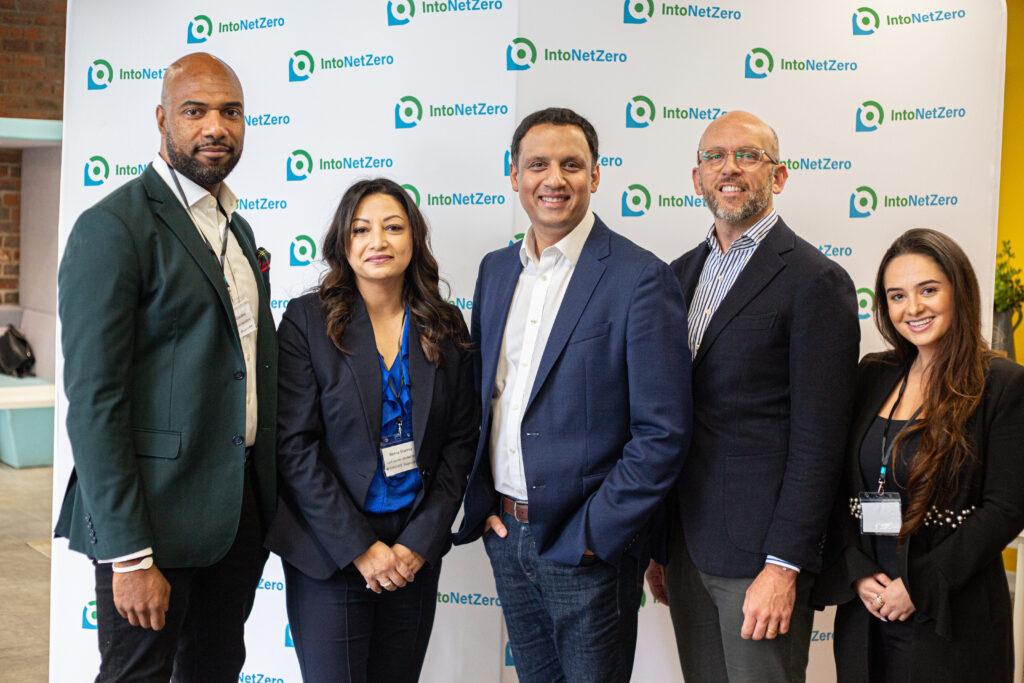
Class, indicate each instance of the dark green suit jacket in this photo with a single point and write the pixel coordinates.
(155, 380)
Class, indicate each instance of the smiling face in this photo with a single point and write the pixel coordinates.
(738, 197)
(201, 119)
(554, 176)
(919, 298)
(380, 242)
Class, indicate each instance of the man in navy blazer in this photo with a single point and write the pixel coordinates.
(774, 335)
(585, 388)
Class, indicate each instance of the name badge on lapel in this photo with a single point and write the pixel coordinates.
(398, 450)
(881, 513)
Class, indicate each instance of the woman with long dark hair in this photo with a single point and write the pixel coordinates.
(934, 483)
(377, 425)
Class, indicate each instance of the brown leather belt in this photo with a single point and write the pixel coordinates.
(521, 511)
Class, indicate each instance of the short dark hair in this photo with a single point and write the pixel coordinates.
(558, 116)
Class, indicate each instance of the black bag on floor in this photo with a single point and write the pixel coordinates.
(16, 357)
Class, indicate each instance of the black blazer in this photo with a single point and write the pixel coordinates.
(953, 570)
(329, 415)
(772, 387)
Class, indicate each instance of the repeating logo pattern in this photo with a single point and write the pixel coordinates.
(408, 112)
(507, 163)
(413, 192)
(400, 12)
(637, 11)
(300, 165)
(101, 74)
(89, 619)
(520, 54)
(863, 202)
(865, 303)
(199, 29)
(758, 64)
(636, 201)
(303, 251)
(639, 112)
(300, 66)
(870, 115)
(865, 21)
(97, 170)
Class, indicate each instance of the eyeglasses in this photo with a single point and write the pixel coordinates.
(746, 157)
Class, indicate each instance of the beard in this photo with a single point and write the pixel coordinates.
(199, 173)
(755, 204)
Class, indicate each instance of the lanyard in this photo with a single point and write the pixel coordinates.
(886, 444)
(224, 237)
(397, 393)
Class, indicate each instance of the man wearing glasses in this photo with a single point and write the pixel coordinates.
(773, 333)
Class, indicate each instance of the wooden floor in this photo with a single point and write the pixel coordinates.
(25, 531)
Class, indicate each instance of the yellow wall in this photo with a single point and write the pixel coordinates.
(1011, 184)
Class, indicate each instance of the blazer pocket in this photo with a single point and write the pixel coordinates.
(591, 332)
(156, 443)
(754, 321)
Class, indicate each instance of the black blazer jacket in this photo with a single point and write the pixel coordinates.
(772, 388)
(953, 567)
(329, 415)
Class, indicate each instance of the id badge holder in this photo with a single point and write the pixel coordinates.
(398, 450)
(243, 317)
(881, 513)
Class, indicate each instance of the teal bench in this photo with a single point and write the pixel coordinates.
(26, 421)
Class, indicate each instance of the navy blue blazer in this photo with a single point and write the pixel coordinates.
(328, 440)
(608, 419)
(773, 384)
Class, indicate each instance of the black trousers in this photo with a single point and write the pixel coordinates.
(346, 633)
(202, 641)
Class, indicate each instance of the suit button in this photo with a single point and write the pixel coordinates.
(88, 517)
(239, 375)
(425, 473)
(238, 441)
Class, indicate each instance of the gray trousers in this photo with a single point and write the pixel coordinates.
(707, 614)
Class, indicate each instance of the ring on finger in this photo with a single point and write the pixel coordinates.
(385, 583)
(772, 632)
(880, 600)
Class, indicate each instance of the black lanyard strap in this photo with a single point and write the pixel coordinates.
(888, 445)
(224, 237)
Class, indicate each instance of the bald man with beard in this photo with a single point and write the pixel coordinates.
(773, 332)
(170, 363)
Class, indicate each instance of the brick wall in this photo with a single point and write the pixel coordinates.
(31, 87)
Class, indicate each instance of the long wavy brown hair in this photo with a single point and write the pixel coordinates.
(435, 318)
(954, 385)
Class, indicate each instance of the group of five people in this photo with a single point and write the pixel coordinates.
(603, 409)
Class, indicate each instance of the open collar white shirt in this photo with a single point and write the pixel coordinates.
(539, 292)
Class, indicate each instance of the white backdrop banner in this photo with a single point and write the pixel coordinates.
(889, 117)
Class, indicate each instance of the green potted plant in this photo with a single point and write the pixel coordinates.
(1009, 294)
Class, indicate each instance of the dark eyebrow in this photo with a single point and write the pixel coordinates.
(919, 284)
(195, 103)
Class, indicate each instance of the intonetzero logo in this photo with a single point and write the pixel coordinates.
(408, 112)
(97, 170)
(101, 74)
(870, 116)
(300, 165)
(89, 620)
(200, 29)
(865, 21)
(400, 12)
(413, 192)
(636, 201)
(639, 112)
(520, 55)
(303, 251)
(508, 163)
(863, 201)
(865, 303)
(288, 642)
(300, 66)
(637, 11)
(759, 63)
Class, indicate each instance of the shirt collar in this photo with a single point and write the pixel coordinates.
(751, 237)
(195, 194)
(571, 245)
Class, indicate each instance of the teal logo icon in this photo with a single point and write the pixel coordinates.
(865, 303)
(300, 165)
(97, 170)
(303, 251)
(300, 66)
(508, 655)
(408, 112)
(758, 63)
(288, 642)
(101, 74)
(516, 237)
(870, 116)
(863, 202)
(639, 112)
(199, 29)
(508, 163)
(89, 621)
(413, 192)
(400, 12)
(865, 21)
(637, 11)
(520, 55)
(636, 201)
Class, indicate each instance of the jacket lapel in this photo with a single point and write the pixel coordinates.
(362, 359)
(249, 249)
(421, 385)
(762, 267)
(691, 273)
(494, 317)
(584, 279)
(881, 386)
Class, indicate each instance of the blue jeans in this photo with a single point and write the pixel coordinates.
(565, 623)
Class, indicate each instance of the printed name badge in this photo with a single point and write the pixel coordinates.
(881, 513)
(398, 452)
(243, 317)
